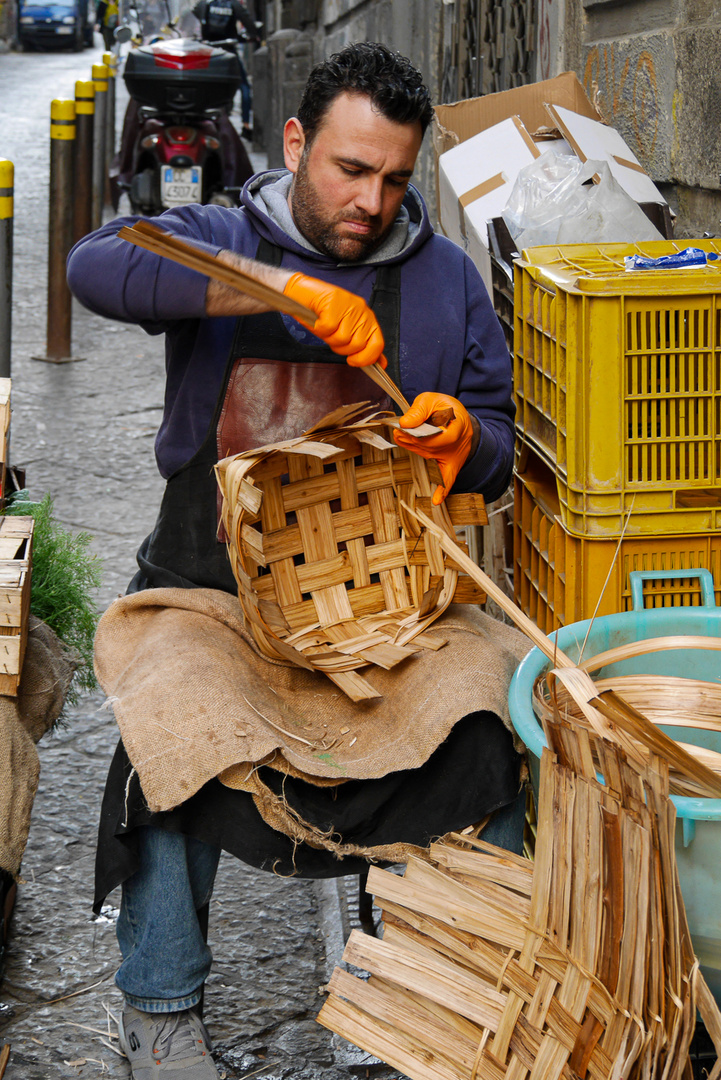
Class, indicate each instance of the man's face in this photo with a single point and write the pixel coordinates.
(350, 182)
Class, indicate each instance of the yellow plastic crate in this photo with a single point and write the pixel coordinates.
(560, 578)
(618, 385)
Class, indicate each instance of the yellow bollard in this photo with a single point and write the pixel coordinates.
(85, 116)
(7, 181)
(60, 229)
(111, 62)
(100, 84)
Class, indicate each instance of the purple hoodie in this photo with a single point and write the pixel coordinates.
(450, 339)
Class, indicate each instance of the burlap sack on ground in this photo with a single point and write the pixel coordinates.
(194, 699)
(47, 673)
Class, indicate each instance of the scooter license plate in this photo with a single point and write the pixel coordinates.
(180, 186)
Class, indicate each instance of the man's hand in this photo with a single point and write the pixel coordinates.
(451, 447)
(345, 322)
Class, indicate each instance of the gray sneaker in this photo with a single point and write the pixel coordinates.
(166, 1046)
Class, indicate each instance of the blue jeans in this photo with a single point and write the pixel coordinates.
(166, 959)
(505, 828)
(246, 100)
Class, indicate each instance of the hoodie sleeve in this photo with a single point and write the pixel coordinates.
(485, 388)
(117, 279)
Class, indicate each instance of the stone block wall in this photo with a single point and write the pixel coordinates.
(654, 64)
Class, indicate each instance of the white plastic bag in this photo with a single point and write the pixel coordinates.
(554, 201)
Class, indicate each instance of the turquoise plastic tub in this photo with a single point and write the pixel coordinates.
(698, 825)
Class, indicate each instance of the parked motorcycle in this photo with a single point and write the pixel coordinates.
(178, 144)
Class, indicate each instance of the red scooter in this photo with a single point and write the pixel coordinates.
(178, 144)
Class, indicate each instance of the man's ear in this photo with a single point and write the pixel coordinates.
(293, 143)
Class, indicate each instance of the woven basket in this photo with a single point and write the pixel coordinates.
(332, 573)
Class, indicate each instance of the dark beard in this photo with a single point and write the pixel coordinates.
(320, 231)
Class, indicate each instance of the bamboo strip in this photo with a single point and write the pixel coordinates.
(463, 947)
(451, 1037)
(436, 979)
(463, 907)
(412, 1057)
(498, 928)
(149, 236)
(423, 873)
(354, 685)
(379, 376)
(679, 701)
(562, 1013)
(448, 544)
(146, 235)
(477, 864)
(602, 983)
(647, 645)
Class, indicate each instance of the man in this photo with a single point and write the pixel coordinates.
(221, 20)
(342, 232)
(106, 21)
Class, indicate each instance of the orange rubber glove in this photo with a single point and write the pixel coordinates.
(345, 322)
(450, 447)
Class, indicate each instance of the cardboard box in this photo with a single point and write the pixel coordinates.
(476, 177)
(520, 112)
(590, 139)
(15, 575)
(453, 124)
(478, 251)
(478, 134)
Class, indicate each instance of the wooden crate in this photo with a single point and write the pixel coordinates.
(15, 574)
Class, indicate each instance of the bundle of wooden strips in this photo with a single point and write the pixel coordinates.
(332, 572)
(576, 965)
(579, 964)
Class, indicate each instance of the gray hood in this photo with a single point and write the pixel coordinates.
(266, 197)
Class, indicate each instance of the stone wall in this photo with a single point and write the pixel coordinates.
(655, 66)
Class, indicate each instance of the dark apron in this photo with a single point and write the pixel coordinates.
(276, 388)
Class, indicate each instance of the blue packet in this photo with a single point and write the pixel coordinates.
(680, 260)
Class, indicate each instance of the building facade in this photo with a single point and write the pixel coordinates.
(651, 65)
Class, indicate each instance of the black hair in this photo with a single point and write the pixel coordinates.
(393, 84)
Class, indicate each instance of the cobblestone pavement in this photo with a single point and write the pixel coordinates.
(84, 432)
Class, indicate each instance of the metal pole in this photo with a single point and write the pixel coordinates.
(110, 61)
(83, 202)
(100, 83)
(60, 228)
(7, 172)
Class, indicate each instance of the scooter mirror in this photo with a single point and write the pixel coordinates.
(122, 34)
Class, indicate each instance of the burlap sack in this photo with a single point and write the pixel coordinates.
(194, 699)
(47, 673)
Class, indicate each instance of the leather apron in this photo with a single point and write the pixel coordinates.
(273, 388)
